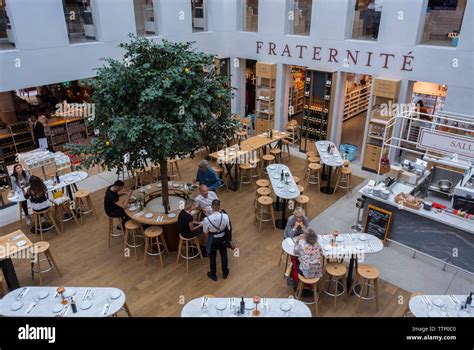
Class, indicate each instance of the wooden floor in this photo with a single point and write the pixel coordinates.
(85, 260)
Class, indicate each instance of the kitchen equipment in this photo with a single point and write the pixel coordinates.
(427, 205)
(385, 194)
(464, 203)
(445, 185)
(377, 191)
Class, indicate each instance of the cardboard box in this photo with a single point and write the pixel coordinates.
(266, 70)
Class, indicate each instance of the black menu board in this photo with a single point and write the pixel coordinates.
(377, 222)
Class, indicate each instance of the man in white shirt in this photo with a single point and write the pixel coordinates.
(204, 199)
(217, 226)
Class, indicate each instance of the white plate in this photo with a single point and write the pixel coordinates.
(272, 167)
(20, 243)
(285, 307)
(438, 302)
(362, 238)
(327, 247)
(276, 176)
(292, 190)
(132, 208)
(143, 190)
(148, 215)
(339, 239)
(86, 305)
(462, 313)
(16, 306)
(115, 294)
(360, 247)
(69, 293)
(280, 185)
(58, 308)
(171, 215)
(176, 185)
(434, 313)
(232, 149)
(43, 294)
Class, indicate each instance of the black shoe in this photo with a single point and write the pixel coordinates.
(225, 274)
(212, 277)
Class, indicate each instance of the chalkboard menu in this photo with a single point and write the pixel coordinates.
(377, 222)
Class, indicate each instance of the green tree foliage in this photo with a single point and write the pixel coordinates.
(160, 101)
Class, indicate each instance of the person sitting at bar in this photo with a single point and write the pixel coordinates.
(20, 179)
(296, 223)
(207, 176)
(189, 227)
(217, 227)
(204, 199)
(38, 194)
(308, 251)
(113, 207)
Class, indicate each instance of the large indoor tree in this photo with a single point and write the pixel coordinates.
(160, 101)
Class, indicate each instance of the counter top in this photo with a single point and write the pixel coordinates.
(443, 218)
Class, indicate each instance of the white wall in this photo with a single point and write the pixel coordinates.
(46, 56)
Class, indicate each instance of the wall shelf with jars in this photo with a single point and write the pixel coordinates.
(265, 97)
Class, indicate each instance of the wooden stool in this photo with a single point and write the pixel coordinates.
(154, 233)
(245, 171)
(261, 191)
(39, 224)
(132, 228)
(255, 164)
(344, 180)
(314, 175)
(335, 272)
(173, 169)
(310, 154)
(155, 172)
(310, 160)
(267, 160)
(263, 183)
(313, 284)
(367, 276)
(143, 177)
(297, 179)
(302, 201)
(3, 288)
(276, 152)
(189, 243)
(301, 189)
(62, 207)
(83, 203)
(265, 206)
(285, 150)
(218, 170)
(241, 135)
(37, 249)
(111, 228)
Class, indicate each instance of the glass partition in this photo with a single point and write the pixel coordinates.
(6, 34)
(250, 16)
(367, 19)
(145, 18)
(79, 20)
(299, 17)
(198, 8)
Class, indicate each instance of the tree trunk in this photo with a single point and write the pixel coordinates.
(164, 185)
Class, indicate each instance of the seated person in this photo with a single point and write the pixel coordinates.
(296, 223)
(113, 207)
(189, 227)
(20, 179)
(38, 194)
(207, 176)
(204, 199)
(308, 251)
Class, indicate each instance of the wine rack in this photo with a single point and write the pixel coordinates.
(318, 87)
(5, 183)
(68, 130)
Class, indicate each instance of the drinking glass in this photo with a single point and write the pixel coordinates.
(220, 307)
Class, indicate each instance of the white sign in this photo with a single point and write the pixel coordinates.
(445, 142)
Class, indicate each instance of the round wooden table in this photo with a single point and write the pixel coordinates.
(150, 217)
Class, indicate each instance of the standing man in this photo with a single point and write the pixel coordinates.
(206, 176)
(38, 133)
(217, 226)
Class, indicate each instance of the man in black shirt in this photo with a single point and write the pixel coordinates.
(38, 133)
(113, 207)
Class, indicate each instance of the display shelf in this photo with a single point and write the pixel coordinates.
(318, 92)
(265, 97)
(356, 102)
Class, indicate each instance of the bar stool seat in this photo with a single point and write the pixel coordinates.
(265, 207)
(63, 207)
(314, 175)
(154, 235)
(263, 183)
(313, 284)
(368, 277)
(311, 154)
(133, 229)
(83, 203)
(300, 189)
(313, 160)
(189, 243)
(261, 191)
(245, 172)
(334, 273)
(38, 223)
(276, 152)
(344, 180)
(42, 248)
(302, 201)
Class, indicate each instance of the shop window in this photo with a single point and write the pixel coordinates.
(145, 18)
(6, 34)
(443, 22)
(198, 8)
(299, 17)
(367, 19)
(250, 16)
(79, 20)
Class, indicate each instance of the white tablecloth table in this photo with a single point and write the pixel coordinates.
(440, 306)
(349, 245)
(194, 308)
(65, 180)
(282, 189)
(330, 160)
(102, 301)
